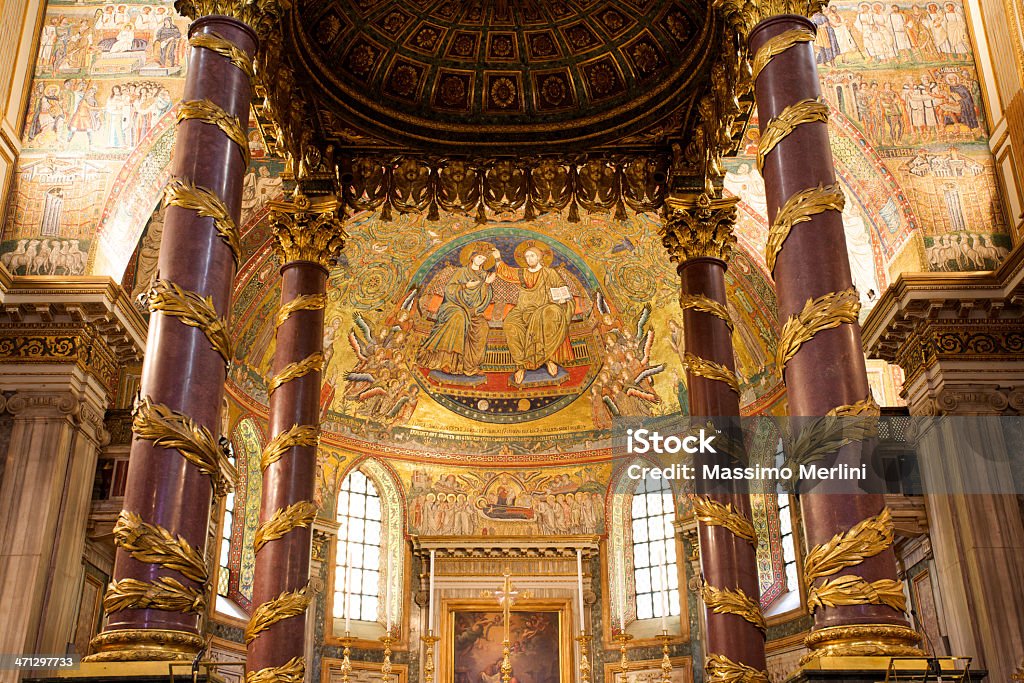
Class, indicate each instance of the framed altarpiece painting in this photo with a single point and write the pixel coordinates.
(540, 642)
(649, 671)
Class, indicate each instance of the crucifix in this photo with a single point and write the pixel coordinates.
(506, 598)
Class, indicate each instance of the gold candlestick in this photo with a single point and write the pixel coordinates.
(583, 638)
(346, 663)
(622, 638)
(506, 663)
(666, 663)
(385, 667)
(428, 656)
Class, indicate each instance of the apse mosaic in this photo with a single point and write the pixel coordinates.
(520, 336)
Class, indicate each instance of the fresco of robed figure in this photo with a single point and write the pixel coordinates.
(537, 327)
(458, 341)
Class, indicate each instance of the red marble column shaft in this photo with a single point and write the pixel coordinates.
(829, 370)
(282, 565)
(727, 560)
(181, 370)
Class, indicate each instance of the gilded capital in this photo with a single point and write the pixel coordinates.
(699, 227)
(260, 15)
(308, 229)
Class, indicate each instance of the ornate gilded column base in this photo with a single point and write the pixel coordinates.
(144, 645)
(878, 641)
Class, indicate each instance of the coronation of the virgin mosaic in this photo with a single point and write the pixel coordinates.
(512, 341)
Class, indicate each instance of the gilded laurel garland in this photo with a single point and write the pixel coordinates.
(777, 45)
(292, 671)
(184, 194)
(192, 310)
(709, 511)
(303, 302)
(699, 227)
(156, 545)
(828, 434)
(283, 520)
(711, 370)
(167, 594)
(225, 48)
(865, 406)
(721, 669)
(210, 113)
(733, 601)
(804, 111)
(699, 302)
(296, 435)
(824, 313)
(308, 229)
(314, 362)
(167, 428)
(799, 209)
(854, 590)
(867, 539)
(286, 605)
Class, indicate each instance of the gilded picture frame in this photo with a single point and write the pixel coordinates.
(540, 637)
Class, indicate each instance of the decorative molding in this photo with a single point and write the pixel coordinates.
(506, 546)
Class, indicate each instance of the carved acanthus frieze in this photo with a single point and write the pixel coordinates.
(507, 187)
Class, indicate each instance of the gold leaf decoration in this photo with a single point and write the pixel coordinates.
(703, 304)
(192, 310)
(156, 545)
(867, 539)
(286, 605)
(297, 435)
(828, 434)
(208, 112)
(865, 406)
(729, 601)
(314, 362)
(721, 669)
(167, 594)
(292, 671)
(283, 520)
(225, 48)
(777, 45)
(854, 590)
(711, 370)
(804, 111)
(303, 302)
(824, 313)
(798, 209)
(712, 512)
(184, 194)
(170, 429)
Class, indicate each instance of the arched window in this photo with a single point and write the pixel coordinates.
(358, 569)
(228, 521)
(654, 550)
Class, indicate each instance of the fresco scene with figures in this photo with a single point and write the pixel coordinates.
(327, 326)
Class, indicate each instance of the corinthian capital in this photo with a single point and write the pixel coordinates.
(261, 16)
(308, 229)
(699, 227)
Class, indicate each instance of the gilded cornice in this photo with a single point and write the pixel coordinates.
(87, 320)
(920, 305)
(506, 546)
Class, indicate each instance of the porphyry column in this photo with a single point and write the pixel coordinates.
(309, 237)
(698, 234)
(850, 569)
(158, 591)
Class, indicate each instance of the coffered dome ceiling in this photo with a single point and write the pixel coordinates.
(503, 73)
